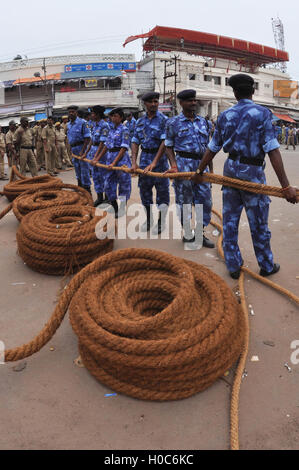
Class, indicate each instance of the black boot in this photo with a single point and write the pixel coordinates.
(207, 243)
(161, 222)
(99, 200)
(87, 188)
(115, 207)
(146, 226)
(188, 233)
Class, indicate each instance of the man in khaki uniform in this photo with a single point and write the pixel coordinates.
(65, 120)
(2, 153)
(23, 140)
(10, 148)
(63, 157)
(49, 141)
(40, 154)
(291, 138)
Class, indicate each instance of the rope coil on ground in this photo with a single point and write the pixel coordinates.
(61, 240)
(16, 187)
(59, 195)
(149, 325)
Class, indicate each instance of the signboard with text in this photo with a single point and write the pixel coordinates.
(127, 66)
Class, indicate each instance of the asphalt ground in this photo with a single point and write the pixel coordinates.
(48, 402)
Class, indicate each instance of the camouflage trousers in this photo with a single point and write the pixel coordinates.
(257, 211)
(147, 183)
(99, 175)
(187, 192)
(82, 169)
(117, 179)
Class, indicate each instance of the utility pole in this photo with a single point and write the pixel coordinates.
(167, 63)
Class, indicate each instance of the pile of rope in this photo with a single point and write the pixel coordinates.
(59, 195)
(149, 324)
(61, 240)
(16, 187)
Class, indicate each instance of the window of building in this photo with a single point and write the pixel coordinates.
(209, 78)
(192, 76)
(256, 85)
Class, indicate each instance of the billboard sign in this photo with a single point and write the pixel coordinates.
(285, 89)
(127, 66)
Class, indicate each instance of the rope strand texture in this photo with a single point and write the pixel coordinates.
(206, 178)
(154, 326)
(16, 187)
(59, 195)
(61, 240)
(149, 324)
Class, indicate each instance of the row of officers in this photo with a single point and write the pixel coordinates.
(43, 146)
(246, 134)
(182, 144)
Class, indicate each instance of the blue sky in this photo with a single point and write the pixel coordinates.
(39, 29)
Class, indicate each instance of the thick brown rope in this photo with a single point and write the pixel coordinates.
(16, 187)
(234, 413)
(149, 325)
(58, 195)
(206, 178)
(61, 240)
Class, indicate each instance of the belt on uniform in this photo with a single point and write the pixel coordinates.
(193, 156)
(115, 149)
(26, 147)
(152, 150)
(247, 160)
(76, 144)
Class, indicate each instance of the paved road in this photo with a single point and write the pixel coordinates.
(53, 404)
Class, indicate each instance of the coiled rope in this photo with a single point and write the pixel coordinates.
(16, 187)
(61, 240)
(149, 325)
(59, 195)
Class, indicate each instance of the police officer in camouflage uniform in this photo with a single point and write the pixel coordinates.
(246, 133)
(130, 125)
(117, 183)
(188, 135)
(150, 134)
(78, 136)
(99, 133)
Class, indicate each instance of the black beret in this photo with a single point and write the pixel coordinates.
(241, 80)
(186, 94)
(98, 109)
(11, 123)
(152, 95)
(73, 106)
(117, 111)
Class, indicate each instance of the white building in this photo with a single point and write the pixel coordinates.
(39, 87)
(209, 77)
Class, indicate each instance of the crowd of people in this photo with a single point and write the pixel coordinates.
(287, 135)
(155, 143)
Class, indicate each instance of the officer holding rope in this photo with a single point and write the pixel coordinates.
(246, 133)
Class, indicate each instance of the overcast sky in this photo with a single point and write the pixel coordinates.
(58, 27)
